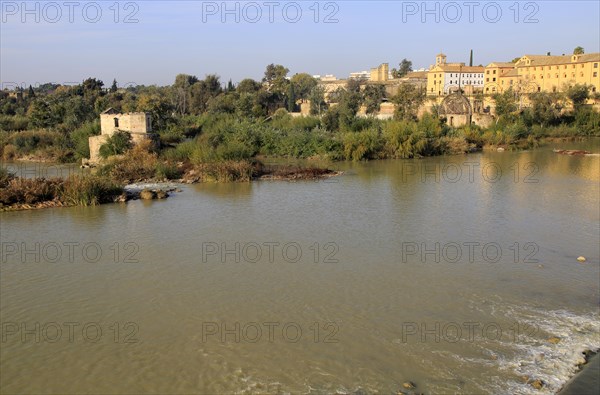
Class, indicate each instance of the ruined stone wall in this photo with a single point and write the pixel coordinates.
(138, 124)
(132, 122)
(95, 143)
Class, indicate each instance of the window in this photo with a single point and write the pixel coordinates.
(116, 122)
(595, 65)
(494, 71)
(494, 79)
(539, 89)
(595, 74)
(487, 72)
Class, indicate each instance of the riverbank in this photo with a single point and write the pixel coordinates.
(17, 193)
(587, 380)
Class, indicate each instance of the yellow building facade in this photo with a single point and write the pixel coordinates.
(543, 73)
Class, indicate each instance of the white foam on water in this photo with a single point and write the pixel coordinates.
(538, 358)
(136, 187)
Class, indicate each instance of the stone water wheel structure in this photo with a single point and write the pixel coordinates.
(457, 109)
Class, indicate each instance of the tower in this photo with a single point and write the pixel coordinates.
(440, 59)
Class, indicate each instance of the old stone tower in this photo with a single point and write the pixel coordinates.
(138, 124)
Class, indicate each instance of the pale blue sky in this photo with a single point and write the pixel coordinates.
(185, 37)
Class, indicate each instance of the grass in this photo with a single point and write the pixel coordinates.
(88, 190)
(76, 190)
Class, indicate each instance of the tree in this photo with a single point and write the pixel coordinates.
(203, 91)
(92, 84)
(372, 96)
(291, 98)
(41, 115)
(405, 68)
(353, 85)
(317, 100)
(158, 107)
(506, 103)
(113, 87)
(408, 100)
(248, 85)
(578, 51)
(578, 94)
(230, 86)
(31, 93)
(275, 78)
(277, 86)
(348, 106)
(303, 85)
(545, 108)
(181, 90)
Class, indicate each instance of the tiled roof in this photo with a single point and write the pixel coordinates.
(510, 73)
(501, 64)
(545, 60)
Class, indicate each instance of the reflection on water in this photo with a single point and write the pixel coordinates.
(398, 270)
(45, 170)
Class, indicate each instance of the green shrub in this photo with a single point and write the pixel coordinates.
(167, 171)
(89, 190)
(80, 138)
(362, 145)
(181, 152)
(13, 122)
(116, 144)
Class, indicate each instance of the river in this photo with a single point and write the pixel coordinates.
(457, 273)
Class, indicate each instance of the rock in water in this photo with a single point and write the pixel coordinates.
(537, 384)
(147, 194)
(581, 259)
(160, 194)
(409, 385)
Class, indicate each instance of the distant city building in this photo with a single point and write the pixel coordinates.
(380, 73)
(327, 77)
(360, 75)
